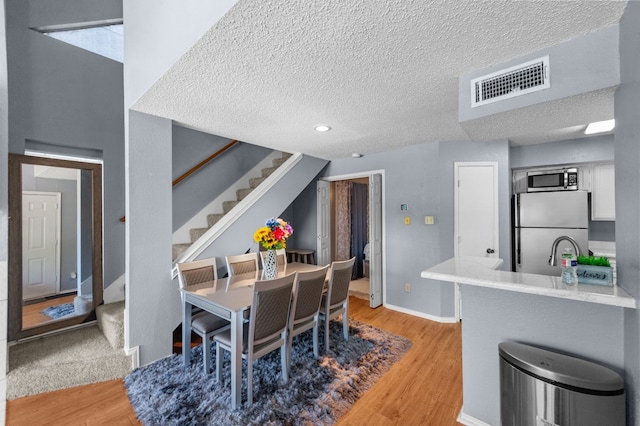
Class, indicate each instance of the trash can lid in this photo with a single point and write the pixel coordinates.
(563, 369)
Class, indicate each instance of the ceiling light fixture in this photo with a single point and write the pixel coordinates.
(600, 127)
(322, 128)
(356, 155)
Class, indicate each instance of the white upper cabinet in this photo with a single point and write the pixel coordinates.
(603, 192)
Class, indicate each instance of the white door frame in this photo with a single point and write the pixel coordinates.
(368, 174)
(57, 196)
(496, 218)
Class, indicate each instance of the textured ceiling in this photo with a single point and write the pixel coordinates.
(382, 74)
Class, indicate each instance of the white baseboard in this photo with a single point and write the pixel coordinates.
(444, 320)
(468, 420)
(135, 356)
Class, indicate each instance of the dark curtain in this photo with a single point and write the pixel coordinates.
(359, 205)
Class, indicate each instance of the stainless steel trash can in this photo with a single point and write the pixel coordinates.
(544, 388)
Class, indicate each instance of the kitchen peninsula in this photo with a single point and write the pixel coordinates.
(481, 271)
(585, 321)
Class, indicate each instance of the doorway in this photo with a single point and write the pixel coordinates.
(78, 260)
(350, 225)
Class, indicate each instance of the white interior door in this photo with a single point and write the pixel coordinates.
(476, 231)
(323, 248)
(375, 240)
(40, 244)
(476, 209)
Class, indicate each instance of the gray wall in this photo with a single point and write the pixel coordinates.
(627, 153)
(422, 177)
(584, 150)
(153, 300)
(189, 148)
(70, 99)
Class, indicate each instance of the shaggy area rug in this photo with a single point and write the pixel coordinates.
(319, 391)
(59, 311)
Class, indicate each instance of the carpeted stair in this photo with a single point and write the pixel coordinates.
(111, 321)
(213, 218)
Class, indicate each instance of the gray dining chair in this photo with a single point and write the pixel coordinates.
(305, 306)
(242, 263)
(204, 324)
(281, 257)
(266, 329)
(336, 300)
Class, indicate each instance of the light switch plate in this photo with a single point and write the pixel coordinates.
(428, 220)
(407, 220)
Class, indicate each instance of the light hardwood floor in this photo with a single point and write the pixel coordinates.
(31, 315)
(423, 388)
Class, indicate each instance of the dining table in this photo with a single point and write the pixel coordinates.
(229, 298)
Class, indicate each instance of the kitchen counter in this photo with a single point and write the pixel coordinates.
(481, 272)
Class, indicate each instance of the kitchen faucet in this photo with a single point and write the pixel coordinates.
(554, 248)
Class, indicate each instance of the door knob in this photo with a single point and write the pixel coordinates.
(490, 251)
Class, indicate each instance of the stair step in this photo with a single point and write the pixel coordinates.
(242, 193)
(277, 162)
(254, 182)
(196, 233)
(110, 319)
(266, 172)
(178, 249)
(212, 219)
(228, 205)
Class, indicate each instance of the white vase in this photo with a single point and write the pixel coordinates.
(270, 266)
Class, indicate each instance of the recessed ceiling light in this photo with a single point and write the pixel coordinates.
(322, 128)
(600, 127)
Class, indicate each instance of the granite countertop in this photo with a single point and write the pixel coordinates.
(481, 272)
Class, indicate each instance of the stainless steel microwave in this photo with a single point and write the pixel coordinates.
(553, 180)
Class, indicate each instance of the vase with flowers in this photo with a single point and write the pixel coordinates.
(272, 236)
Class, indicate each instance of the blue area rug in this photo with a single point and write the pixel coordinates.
(59, 311)
(319, 391)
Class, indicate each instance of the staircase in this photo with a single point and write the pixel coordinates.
(213, 218)
(110, 319)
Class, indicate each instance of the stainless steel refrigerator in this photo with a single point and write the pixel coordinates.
(541, 217)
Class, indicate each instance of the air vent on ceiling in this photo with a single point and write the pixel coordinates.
(519, 80)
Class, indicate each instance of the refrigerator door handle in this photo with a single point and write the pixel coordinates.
(517, 244)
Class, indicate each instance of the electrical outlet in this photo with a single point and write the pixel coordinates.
(428, 220)
(407, 288)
